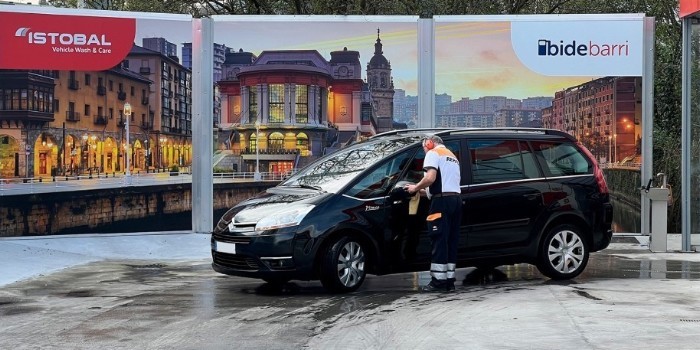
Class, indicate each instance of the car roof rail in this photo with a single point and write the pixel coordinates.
(511, 129)
(413, 131)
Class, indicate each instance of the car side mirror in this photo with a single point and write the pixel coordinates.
(399, 192)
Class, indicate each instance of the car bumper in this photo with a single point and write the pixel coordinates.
(603, 233)
(270, 256)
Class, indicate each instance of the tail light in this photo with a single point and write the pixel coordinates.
(597, 171)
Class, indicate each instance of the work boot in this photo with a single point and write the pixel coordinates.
(434, 286)
(450, 285)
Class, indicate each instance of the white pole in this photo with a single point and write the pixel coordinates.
(646, 171)
(426, 73)
(202, 121)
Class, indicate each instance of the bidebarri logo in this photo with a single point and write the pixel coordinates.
(77, 39)
(548, 48)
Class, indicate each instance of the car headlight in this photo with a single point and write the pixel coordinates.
(285, 218)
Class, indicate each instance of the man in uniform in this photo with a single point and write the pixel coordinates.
(442, 184)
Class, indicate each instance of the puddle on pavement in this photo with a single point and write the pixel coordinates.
(607, 266)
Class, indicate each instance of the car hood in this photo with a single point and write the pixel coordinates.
(275, 200)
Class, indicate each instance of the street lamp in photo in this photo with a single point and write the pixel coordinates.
(257, 176)
(147, 154)
(163, 140)
(85, 158)
(127, 115)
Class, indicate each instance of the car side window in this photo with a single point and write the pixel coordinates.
(562, 158)
(379, 181)
(530, 168)
(501, 160)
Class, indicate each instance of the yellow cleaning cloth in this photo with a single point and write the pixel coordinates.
(413, 204)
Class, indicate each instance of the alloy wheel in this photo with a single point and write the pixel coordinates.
(566, 251)
(351, 264)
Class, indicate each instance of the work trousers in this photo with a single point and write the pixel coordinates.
(444, 221)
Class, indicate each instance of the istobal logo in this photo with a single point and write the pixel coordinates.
(53, 38)
(591, 48)
(21, 32)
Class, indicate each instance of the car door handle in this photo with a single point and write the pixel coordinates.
(532, 196)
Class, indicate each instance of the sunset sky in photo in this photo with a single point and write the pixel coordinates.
(473, 59)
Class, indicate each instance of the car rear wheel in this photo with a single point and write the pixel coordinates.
(564, 253)
(343, 266)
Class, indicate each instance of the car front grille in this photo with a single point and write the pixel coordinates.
(235, 261)
(220, 237)
(242, 227)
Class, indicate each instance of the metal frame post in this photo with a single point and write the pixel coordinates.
(202, 125)
(685, 134)
(647, 168)
(426, 73)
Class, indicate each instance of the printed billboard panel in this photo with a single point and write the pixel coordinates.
(689, 7)
(313, 84)
(579, 48)
(88, 95)
(68, 42)
(581, 75)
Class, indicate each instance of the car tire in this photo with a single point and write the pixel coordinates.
(343, 265)
(564, 253)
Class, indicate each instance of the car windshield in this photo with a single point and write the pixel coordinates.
(331, 173)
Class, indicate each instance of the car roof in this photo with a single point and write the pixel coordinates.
(500, 131)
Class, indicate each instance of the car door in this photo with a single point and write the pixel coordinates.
(504, 196)
(410, 243)
(380, 208)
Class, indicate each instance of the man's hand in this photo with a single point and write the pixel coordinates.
(411, 189)
(427, 180)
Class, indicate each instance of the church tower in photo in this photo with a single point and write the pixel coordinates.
(381, 86)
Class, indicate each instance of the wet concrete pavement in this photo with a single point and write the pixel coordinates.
(626, 299)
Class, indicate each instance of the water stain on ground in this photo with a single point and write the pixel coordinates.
(19, 310)
(586, 295)
(122, 298)
(81, 294)
(170, 290)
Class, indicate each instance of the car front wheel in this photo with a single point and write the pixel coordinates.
(343, 266)
(564, 253)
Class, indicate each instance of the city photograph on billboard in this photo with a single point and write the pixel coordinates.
(291, 89)
(96, 96)
(73, 95)
(581, 76)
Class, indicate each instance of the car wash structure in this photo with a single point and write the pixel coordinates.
(690, 161)
(280, 91)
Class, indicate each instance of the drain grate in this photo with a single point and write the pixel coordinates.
(687, 320)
